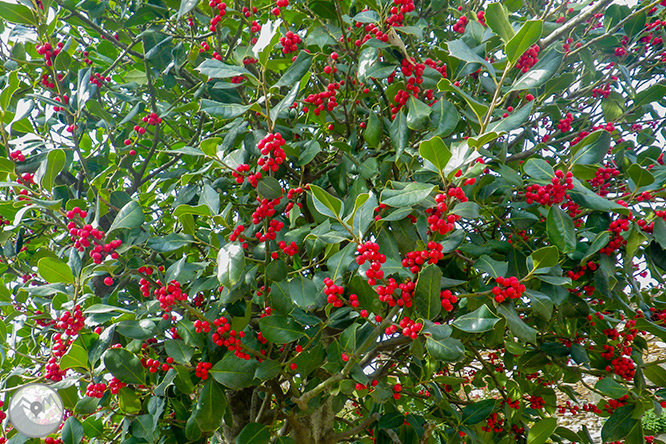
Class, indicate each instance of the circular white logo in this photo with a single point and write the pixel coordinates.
(36, 410)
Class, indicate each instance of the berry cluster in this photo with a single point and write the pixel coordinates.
(371, 31)
(333, 293)
(265, 209)
(493, 424)
(153, 365)
(224, 336)
(513, 289)
(386, 293)
(279, 4)
(528, 59)
(274, 227)
(49, 52)
(221, 8)
(95, 390)
(410, 328)
(152, 119)
(323, 101)
(623, 367)
(202, 369)
(17, 156)
(71, 322)
(53, 371)
(290, 42)
(616, 228)
(272, 152)
(201, 326)
(99, 80)
(575, 275)
(564, 124)
(288, 249)
(537, 402)
(237, 235)
(447, 299)
(369, 251)
(438, 222)
(602, 177)
(553, 193)
(414, 260)
(168, 295)
(460, 24)
(115, 385)
(413, 72)
(398, 12)
(64, 100)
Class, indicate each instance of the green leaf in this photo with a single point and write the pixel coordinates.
(460, 50)
(418, 113)
(325, 203)
(491, 266)
(124, 365)
(640, 176)
(444, 118)
(340, 261)
(539, 169)
(462, 155)
(561, 229)
(286, 101)
(55, 162)
(223, 110)
(210, 198)
(592, 149)
(655, 373)
(478, 321)
(619, 424)
(435, 151)
(540, 73)
(76, 357)
(254, 433)
(478, 411)
(610, 387)
(230, 264)
(541, 431)
(513, 121)
(72, 431)
(542, 305)
(170, 242)
(635, 23)
(52, 270)
(15, 13)
(517, 326)
(426, 294)
(448, 349)
(280, 329)
(185, 7)
(216, 69)
(545, 257)
(180, 352)
(480, 109)
(527, 35)
(130, 216)
(129, 401)
(586, 198)
(210, 406)
(373, 132)
(268, 369)
(410, 195)
(142, 427)
(498, 21)
(649, 95)
(399, 133)
(233, 372)
(296, 70)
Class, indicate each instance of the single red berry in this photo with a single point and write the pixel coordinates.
(108, 281)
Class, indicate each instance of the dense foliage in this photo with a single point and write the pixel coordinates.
(311, 222)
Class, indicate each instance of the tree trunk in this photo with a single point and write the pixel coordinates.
(314, 427)
(239, 406)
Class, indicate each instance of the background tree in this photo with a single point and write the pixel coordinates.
(324, 221)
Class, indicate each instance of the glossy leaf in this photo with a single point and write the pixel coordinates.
(53, 270)
(477, 321)
(426, 294)
(541, 431)
(130, 216)
(230, 264)
(498, 21)
(435, 152)
(561, 230)
(280, 329)
(527, 35)
(124, 365)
